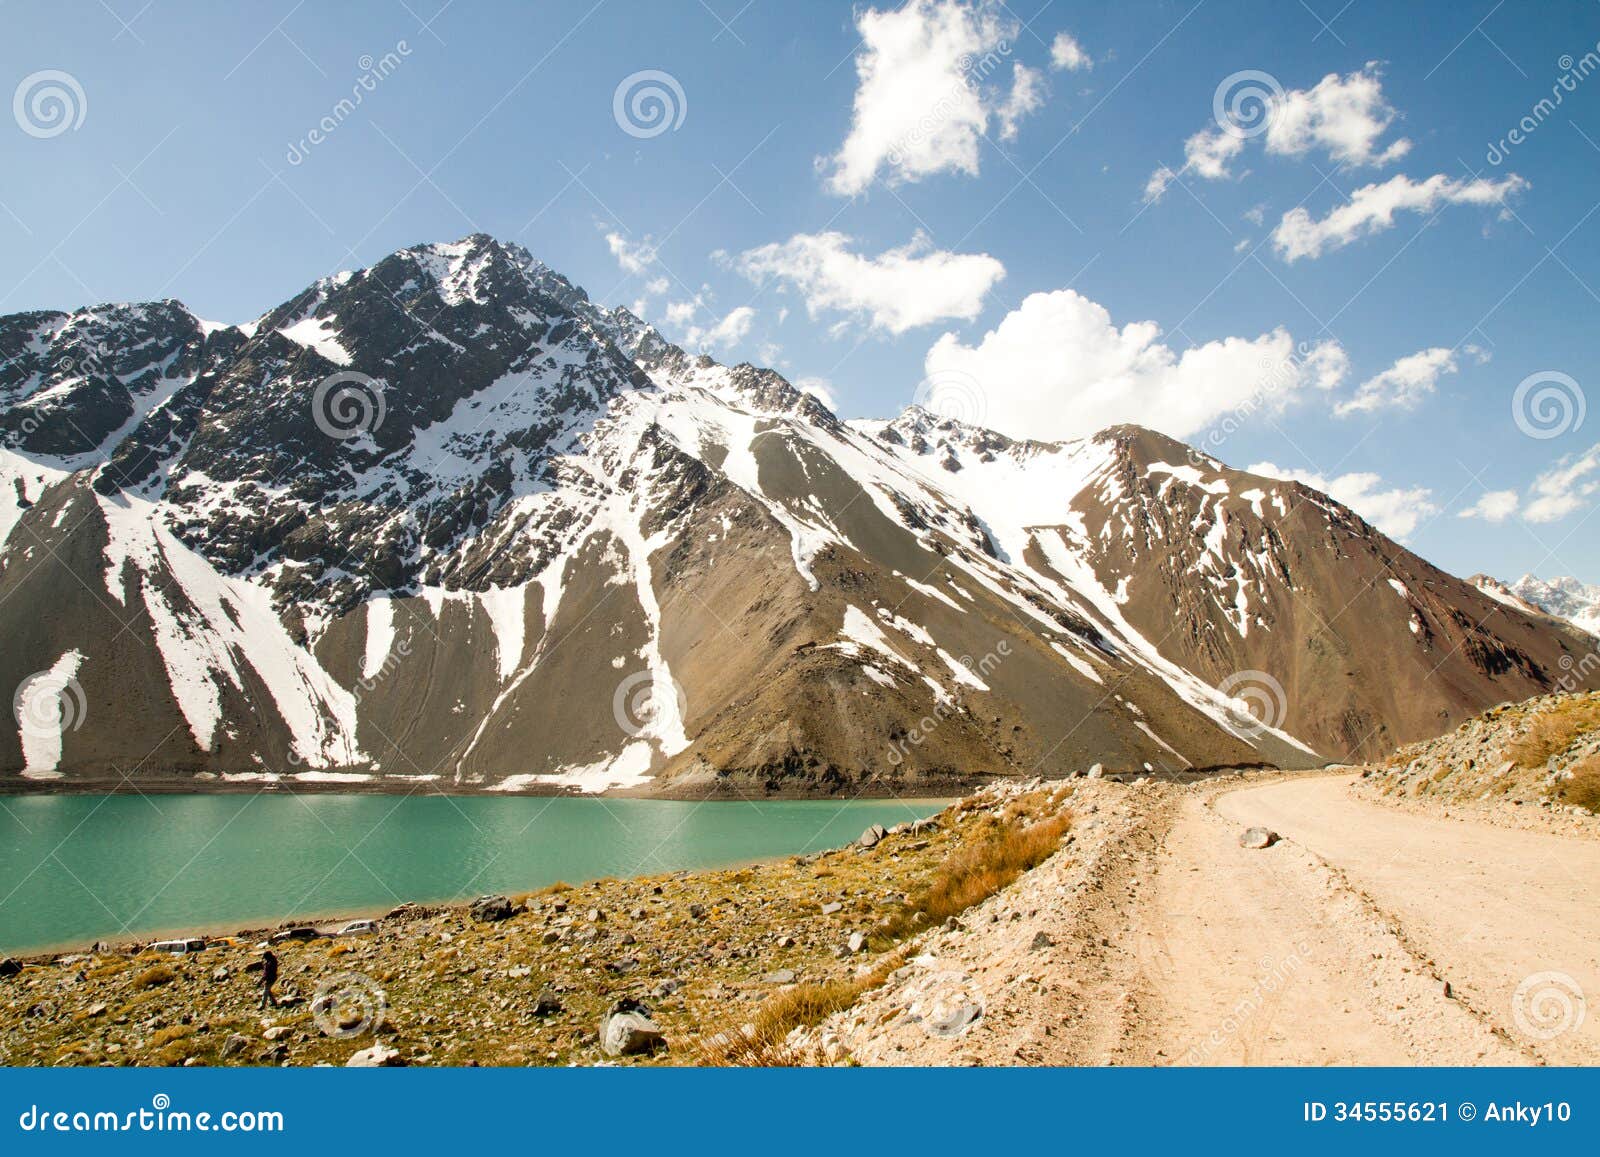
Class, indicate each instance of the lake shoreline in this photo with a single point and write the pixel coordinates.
(263, 915)
(947, 788)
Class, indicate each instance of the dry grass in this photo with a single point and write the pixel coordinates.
(1553, 731)
(994, 852)
(989, 863)
(154, 976)
(1583, 789)
(763, 1042)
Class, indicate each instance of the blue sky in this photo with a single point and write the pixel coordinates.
(947, 201)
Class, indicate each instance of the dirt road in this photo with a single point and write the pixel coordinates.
(1365, 936)
(1495, 910)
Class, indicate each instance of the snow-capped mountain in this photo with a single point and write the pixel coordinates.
(1564, 597)
(446, 520)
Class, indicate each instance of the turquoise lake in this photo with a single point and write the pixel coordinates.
(75, 869)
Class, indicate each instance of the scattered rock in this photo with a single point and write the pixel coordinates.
(1258, 838)
(547, 1003)
(220, 973)
(697, 911)
(627, 1030)
(277, 1032)
(781, 976)
(872, 836)
(1041, 940)
(235, 1044)
(491, 909)
(1096, 771)
(10, 966)
(379, 1056)
(831, 907)
(857, 942)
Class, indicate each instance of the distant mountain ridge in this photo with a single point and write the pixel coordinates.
(445, 520)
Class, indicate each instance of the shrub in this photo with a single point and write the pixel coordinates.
(1583, 789)
(155, 975)
(981, 869)
(764, 1042)
(1554, 730)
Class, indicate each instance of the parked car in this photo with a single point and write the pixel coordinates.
(179, 947)
(301, 933)
(359, 928)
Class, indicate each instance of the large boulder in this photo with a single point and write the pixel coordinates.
(1258, 838)
(489, 909)
(627, 1030)
(872, 836)
(379, 1056)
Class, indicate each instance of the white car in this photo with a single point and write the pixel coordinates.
(179, 947)
(359, 928)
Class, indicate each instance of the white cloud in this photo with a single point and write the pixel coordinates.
(1156, 187)
(1342, 116)
(681, 313)
(633, 257)
(1027, 96)
(819, 388)
(1058, 367)
(730, 331)
(1371, 210)
(1396, 511)
(1564, 488)
(1403, 385)
(1067, 55)
(1493, 506)
(922, 101)
(895, 291)
(1209, 154)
